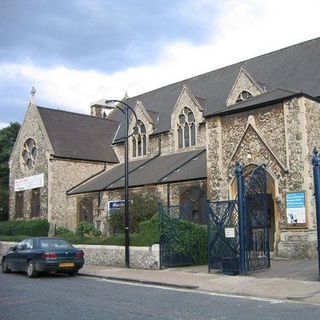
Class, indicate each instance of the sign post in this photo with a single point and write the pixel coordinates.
(241, 209)
(316, 177)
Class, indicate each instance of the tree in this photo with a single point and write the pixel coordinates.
(142, 206)
(8, 137)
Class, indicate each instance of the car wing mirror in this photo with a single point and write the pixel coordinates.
(12, 248)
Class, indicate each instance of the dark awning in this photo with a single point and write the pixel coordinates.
(177, 167)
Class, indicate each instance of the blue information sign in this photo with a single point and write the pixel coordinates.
(115, 204)
(296, 207)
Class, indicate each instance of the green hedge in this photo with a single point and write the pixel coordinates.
(199, 243)
(191, 237)
(6, 227)
(13, 238)
(32, 228)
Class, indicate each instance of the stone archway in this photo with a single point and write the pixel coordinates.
(272, 196)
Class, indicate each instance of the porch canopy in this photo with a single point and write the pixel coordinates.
(183, 166)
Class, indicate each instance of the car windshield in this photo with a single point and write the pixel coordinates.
(54, 244)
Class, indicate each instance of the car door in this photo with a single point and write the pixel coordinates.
(11, 257)
(27, 253)
(23, 250)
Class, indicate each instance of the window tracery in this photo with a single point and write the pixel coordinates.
(186, 128)
(139, 140)
(244, 95)
(29, 154)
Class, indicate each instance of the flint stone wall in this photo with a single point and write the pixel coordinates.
(30, 129)
(63, 175)
(281, 136)
(140, 257)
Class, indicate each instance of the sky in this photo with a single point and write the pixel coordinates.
(78, 51)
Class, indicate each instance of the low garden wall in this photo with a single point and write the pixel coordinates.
(140, 257)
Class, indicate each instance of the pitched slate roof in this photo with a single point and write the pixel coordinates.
(295, 68)
(184, 166)
(105, 179)
(79, 136)
(262, 99)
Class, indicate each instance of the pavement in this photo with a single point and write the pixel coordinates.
(295, 280)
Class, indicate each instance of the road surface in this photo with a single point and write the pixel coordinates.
(65, 298)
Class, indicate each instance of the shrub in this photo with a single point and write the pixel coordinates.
(185, 238)
(71, 237)
(142, 206)
(12, 238)
(87, 229)
(149, 232)
(61, 230)
(199, 243)
(6, 227)
(32, 228)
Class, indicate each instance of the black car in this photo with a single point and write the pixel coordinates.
(36, 255)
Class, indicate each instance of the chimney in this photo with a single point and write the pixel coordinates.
(96, 110)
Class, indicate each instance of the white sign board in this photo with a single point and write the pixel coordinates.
(29, 183)
(229, 232)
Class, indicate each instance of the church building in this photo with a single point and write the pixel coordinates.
(69, 167)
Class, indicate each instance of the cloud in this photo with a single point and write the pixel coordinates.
(3, 125)
(95, 34)
(240, 30)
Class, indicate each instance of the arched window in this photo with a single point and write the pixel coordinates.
(186, 129)
(85, 210)
(244, 95)
(193, 204)
(139, 140)
(29, 154)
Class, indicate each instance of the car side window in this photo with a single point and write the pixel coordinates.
(28, 244)
(21, 245)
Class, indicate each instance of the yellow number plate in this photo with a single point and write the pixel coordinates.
(66, 264)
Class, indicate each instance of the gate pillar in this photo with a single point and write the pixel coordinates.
(316, 177)
(241, 209)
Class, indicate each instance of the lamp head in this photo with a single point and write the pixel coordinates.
(110, 104)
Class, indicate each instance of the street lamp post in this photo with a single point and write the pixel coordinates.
(111, 104)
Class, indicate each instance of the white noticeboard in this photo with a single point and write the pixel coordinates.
(296, 207)
(29, 183)
(229, 232)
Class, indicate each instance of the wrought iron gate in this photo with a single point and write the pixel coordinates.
(175, 237)
(256, 221)
(223, 234)
(238, 230)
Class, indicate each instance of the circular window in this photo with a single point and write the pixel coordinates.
(29, 154)
(244, 95)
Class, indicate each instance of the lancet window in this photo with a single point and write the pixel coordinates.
(139, 140)
(186, 127)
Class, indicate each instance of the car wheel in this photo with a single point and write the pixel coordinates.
(73, 273)
(4, 266)
(31, 270)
